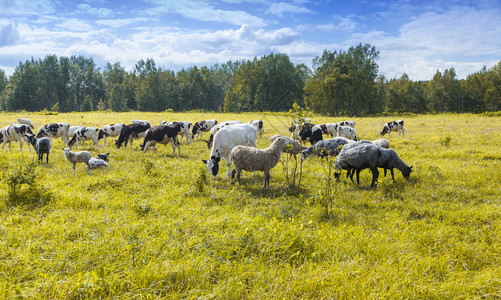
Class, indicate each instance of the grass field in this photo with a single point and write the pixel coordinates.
(156, 226)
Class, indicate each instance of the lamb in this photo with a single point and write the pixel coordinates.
(77, 157)
(347, 132)
(254, 159)
(382, 143)
(25, 122)
(41, 146)
(293, 147)
(325, 148)
(389, 160)
(100, 161)
(359, 157)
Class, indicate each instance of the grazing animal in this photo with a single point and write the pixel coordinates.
(253, 159)
(55, 130)
(202, 126)
(112, 130)
(329, 128)
(184, 130)
(85, 134)
(347, 123)
(361, 156)
(77, 157)
(133, 121)
(347, 132)
(382, 143)
(225, 140)
(216, 128)
(303, 132)
(293, 147)
(25, 122)
(100, 161)
(42, 146)
(259, 125)
(162, 134)
(14, 132)
(389, 160)
(325, 148)
(394, 126)
(131, 132)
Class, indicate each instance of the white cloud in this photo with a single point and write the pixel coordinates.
(26, 7)
(8, 34)
(203, 11)
(117, 23)
(282, 8)
(99, 12)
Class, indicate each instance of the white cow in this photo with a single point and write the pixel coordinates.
(84, 134)
(15, 132)
(224, 140)
(112, 130)
(54, 130)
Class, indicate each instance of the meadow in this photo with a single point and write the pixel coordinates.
(156, 226)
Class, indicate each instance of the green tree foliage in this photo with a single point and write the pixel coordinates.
(271, 83)
(340, 83)
(344, 82)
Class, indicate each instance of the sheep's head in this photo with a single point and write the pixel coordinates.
(407, 172)
(31, 139)
(212, 165)
(66, 151)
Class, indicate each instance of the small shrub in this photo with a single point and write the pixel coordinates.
(445, 141)
(201, 180)
(141, 207)
(24, 189)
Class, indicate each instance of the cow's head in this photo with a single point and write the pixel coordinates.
(212, 165)
(41, 133)
(385, 130)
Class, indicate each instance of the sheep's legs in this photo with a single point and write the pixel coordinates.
(266, 179)
(375, 174)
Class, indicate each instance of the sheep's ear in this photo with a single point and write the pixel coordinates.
(204, 161)
(62, 149)
(411, 167)
(107, 153)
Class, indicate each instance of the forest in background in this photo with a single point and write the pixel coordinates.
(339, 83)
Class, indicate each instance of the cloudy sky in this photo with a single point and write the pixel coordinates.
(413, 37)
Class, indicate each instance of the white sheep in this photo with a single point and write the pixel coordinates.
(347, 132)
(25, 122)
(293, 147)
(42, 146)
(382, 143)
(253, 159)
(77, 157)
(360, 155)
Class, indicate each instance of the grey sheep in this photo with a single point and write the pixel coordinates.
(325, 148)
(100, 161)
(77, 157)
(254, 159)
(293, 147)
(389, 160)
(359, 157)
(41, 146)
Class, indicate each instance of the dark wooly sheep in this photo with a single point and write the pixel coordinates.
(325, 148)
(42, 146)
(358, 157)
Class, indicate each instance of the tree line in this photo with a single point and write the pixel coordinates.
(340, 82)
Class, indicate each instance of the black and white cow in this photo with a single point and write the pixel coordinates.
(15, 132)
(55, 130)
(259, 125)
(163, 134)
(202, 126)
(112, 130)
(185, 130)
(131, 132)
(85, 134)
(348, 123)
(394, 126)
(306, 132)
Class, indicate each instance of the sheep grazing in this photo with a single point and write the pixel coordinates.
(293, 147)
(77, 157)
(389, 160)
(253, 159)
(382, 143)
(359, 157)
(100, 161)
(325, 148)
(41, 146)
(25, 122)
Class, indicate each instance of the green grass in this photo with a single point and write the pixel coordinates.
(156, 226)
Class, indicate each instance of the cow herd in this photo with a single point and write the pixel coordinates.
(223, 138)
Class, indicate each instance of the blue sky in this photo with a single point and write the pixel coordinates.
(413, 37)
